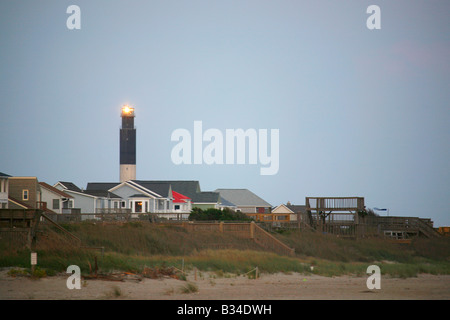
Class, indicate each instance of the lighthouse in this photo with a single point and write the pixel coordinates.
(127, 145)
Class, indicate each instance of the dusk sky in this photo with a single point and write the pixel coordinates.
(360, 112)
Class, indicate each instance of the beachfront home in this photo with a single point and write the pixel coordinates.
(289, 212)
(54, 199)
(160, 196)
(93, 201)
(245, 201)
(142, 196)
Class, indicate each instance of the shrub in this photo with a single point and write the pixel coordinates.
(189, 288)
(198, 214)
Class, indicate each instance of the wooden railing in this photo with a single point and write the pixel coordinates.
(268, 241)
(404, 224)
(113, 211)
(244, 230)
(334, 203)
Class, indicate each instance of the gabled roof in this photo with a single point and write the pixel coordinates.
(296, 208)
(102, 194)
(54, 190)
(101, 185)
(188, 188)
(163, 189)
(70, 186)
(4, 175)
(144, 188)
(191, 189)
(282, 206)
(242, 197)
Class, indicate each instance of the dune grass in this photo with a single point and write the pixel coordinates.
(131, 247)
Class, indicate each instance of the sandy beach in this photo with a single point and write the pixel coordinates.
(229, 287)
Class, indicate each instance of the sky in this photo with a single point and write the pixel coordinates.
(360, 112)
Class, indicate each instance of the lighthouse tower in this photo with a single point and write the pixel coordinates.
(127, 145)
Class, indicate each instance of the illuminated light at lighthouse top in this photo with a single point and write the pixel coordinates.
(127, 111)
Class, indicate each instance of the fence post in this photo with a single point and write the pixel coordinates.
(252, 230)
(221, 226)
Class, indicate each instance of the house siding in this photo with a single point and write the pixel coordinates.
(204, 206)
(48, 197)
(283, 210)
(85, 203)
(18, 184)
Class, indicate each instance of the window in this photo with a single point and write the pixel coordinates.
(55, 203)
(138, 206)
(25, 194)
(177, 207)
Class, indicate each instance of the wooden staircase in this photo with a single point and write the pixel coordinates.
(244, 230)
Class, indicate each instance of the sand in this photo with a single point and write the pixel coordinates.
(229, 287)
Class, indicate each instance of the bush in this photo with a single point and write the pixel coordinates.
(198, 214)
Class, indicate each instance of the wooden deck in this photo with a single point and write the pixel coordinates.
(20, 225)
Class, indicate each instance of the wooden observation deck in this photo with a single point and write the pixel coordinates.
(334, 214)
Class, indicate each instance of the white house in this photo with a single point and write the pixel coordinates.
(56, 200)
(139, 196)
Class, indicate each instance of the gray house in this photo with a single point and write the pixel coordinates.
(243, 200)
(159, 196)
(90, 201)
